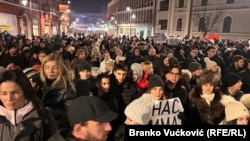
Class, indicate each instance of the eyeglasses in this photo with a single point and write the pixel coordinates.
(174, 74)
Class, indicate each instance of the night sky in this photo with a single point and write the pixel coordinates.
(90, 6)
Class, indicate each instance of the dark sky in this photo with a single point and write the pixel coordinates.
(90, 6)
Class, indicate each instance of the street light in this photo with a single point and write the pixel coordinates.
(113, 23)
(129, 10)
(25, 2)
(130, 17)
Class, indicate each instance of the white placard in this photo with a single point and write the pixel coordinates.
(165, 112)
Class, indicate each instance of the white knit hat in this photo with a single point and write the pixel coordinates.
(209, 63)
(235, 109)
(245, 99)
(140, 109)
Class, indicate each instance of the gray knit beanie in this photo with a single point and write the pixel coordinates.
(138, 68)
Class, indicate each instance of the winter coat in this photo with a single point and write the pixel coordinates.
(62, 135)
(17, 60)
(245, 78)
(231, 68)
(29, 125)
(180, 92)
(109, 99)
(58, 99)
(211, 108)
(120, 133)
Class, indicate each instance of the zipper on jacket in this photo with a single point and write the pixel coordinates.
(15, 126)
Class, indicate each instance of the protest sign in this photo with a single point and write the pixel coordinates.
(165, 112)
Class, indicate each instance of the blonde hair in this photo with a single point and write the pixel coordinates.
(98, 53)
(95, 48)
(145, 64)
(63, 76)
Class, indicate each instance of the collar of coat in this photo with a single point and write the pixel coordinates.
(16, 116)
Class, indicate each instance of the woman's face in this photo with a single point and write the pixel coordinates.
(105, 84)
(157, 93)
(214, 68)
(135, 76)
(85, 74)
(11, 95)
(207, 88)
(51, 70)
(129, 121)
(243, 120)
(41, 56)
(166, 62)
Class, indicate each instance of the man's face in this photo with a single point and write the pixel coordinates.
(173, 76)
(240, 63)
(106, 56)
(211, 53)
(93, 131)
(137, 52)
(36, 42)
(42, 45)
(149, 69)
(248, 66)
(82, 56)
(237, 86)
(13, 51)
(120, 75)
(193, 53)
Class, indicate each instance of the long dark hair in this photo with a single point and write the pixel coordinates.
(30, 94)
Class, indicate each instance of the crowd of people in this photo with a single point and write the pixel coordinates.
(90, 87)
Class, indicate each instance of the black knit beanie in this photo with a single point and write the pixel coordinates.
(155, 81)
(230, 79)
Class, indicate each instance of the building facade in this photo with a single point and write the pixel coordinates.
(134, 17)
(31, 17)
(227, 18)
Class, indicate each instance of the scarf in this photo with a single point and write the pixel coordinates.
(208, 97)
